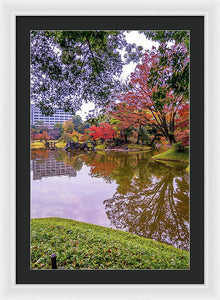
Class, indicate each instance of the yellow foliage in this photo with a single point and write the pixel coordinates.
(75, 135)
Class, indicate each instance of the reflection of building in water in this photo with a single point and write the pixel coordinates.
(51, 167)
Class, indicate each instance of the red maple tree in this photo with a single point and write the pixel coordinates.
(104, 131)
(158, 90)
(40, 136)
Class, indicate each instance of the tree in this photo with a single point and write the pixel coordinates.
(127, 119)
(75, 135)
(40, 136)
(65, 137)
(83, 127)
(77, 121)
(68, 126)
(143, 135)
(58, 126)
(56, 132)
(34, 131)
(165, 36)
(69, 67)
(159, 87)
(36, 136)
(101, 118)
(41, 127)
(104, 132)
(45, 136)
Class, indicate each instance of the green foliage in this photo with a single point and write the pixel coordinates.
(59, 126)
(74, 139)
(98, 120)
(87, 69)
(77, 121)
(128, 132)
(68, 126)
(143, 135)
(114, 121)
(85, 246)
(101, 147)
(65, 137)
(90, 144)
(178, 146)
(164, 36)
(83, 127)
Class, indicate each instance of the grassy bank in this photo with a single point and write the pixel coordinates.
(101, 147)
(138, 147)
(41, 145)
(37, 145)
(85, 246)
(61, 144)
(174, 155)
(124, 148)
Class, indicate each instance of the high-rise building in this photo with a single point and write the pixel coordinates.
(59, 117)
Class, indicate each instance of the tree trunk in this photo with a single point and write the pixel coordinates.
(171, 139)
(138, 137)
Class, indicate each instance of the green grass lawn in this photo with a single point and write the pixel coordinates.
(172, 154)
(61, 144)
(85, 246)
(37, 145)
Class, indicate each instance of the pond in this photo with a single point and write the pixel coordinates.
(123, 190)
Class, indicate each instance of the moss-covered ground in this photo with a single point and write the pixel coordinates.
(80, 245)
(172, 154)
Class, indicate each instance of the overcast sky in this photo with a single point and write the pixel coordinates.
(132, 37)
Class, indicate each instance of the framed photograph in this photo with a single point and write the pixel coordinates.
(15, 231)
(109, 149)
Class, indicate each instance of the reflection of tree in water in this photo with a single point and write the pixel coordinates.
(39, 154)
(155, 206)
(152, 199)
(100, 167)
(73, 160)
(118, 167)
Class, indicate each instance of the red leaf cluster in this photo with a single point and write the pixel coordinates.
(40, 136)
(103, 131)
(182, 125)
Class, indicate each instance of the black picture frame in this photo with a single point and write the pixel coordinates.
(24, 275)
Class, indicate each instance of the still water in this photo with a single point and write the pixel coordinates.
(126, 191)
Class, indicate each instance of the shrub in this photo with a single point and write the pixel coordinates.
(65, 137)
(100, 147)
(178, 146)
